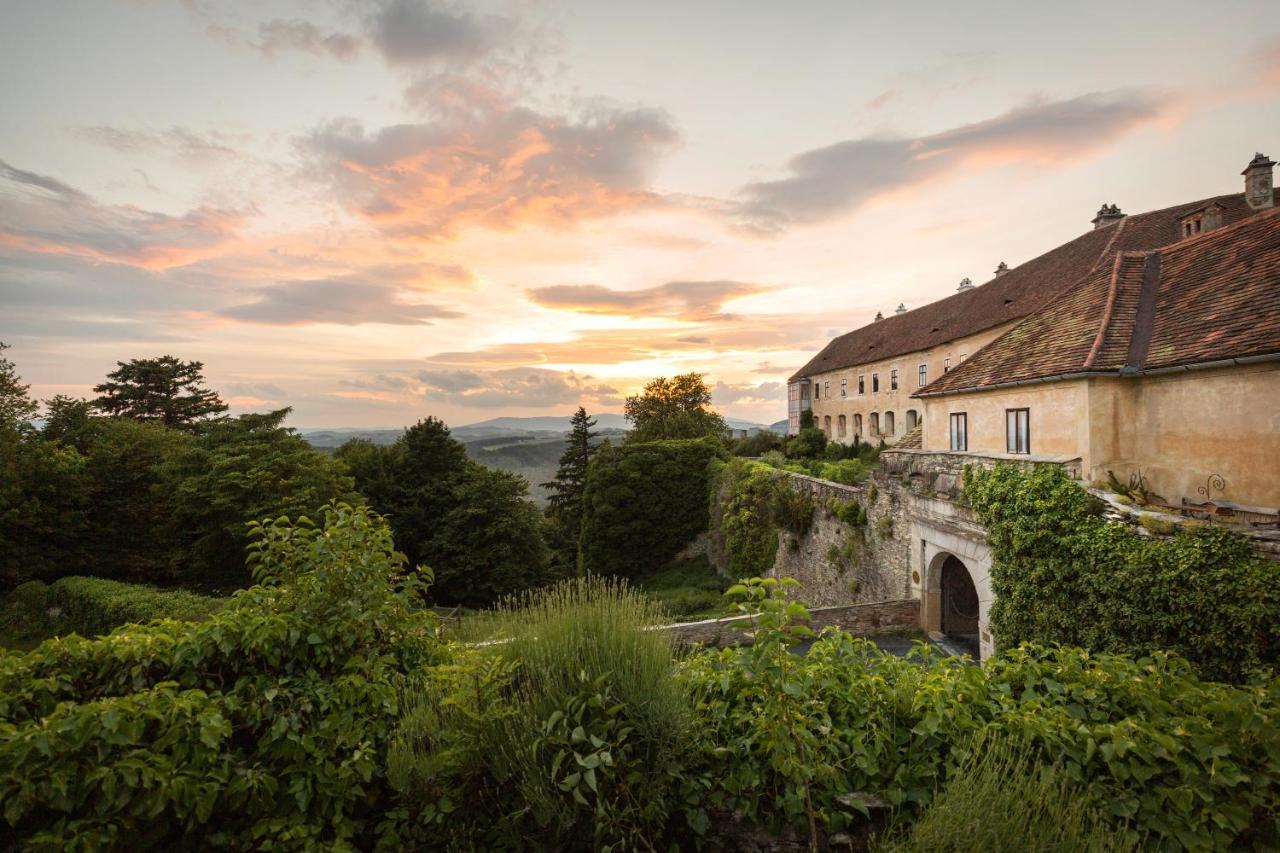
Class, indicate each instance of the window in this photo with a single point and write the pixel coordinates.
(875, 423)
(862, 384)
(946, 364)
(844, 388)
(1018, 430)
(875, 383)
(963, 357)
(857, 424)
(912, 419)
(840, 426)
(826, 425)
(826, 388)
(893, 379)
(924, 375)
(959, 431)
(888, 423)
(817, 389)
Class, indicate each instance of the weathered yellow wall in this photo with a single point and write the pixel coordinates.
(1177, 428)
(899, 402)
(1180, 428)
(1058, 428)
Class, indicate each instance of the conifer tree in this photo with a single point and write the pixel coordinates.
(571, 478)
(162, 389)
(16, 405)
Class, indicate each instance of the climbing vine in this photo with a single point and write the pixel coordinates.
(1064, 574)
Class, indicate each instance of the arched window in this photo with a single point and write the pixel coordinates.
(826, 425)
(840, 426)
(888, 423)
(857, 424)
(875, 423)
(913, 420)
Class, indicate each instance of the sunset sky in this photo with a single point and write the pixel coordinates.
(377, 210)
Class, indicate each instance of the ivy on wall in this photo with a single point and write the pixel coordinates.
(1064, 574)
(751, 503)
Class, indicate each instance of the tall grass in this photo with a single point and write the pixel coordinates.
(1003, 798)
(537, 681)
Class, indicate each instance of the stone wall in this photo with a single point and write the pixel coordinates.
(837, 563)
(881, 617)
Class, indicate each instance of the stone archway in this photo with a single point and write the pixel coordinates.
(959, 604)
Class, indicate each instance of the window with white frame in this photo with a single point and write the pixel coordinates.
(893, 379)
(924, 375)
(844, 387)
(946, 364)
(959, 431)
(862, 384)
(1018, 430)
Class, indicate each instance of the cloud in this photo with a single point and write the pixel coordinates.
(838, 179)
(727, 394)
(280, 34)
(259, 390)
(517, 387)
(415, 31)
(507, 169)
(178, 142)
(340, 301)
(690, 300)
(41, 214)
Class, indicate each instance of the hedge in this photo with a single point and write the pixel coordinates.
(1064, 574)
(93, 606)
(643, 503)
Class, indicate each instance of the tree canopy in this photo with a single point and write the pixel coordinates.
(163, 389)
(16, 405)
(679, 407)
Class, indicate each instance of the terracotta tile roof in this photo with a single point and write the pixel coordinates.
(1017, 294)
(1206, 298)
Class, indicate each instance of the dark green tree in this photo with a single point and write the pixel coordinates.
(16, 405)
(564, 507)
(162, 389)
(809, 443)
(69, 421)
(474, 527)
(673, 408)
(240, 470)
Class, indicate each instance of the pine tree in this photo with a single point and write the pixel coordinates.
(162, 389)
(571, 478)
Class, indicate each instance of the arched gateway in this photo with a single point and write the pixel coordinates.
(959, 604)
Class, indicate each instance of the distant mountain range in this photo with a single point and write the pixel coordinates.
(504, 427)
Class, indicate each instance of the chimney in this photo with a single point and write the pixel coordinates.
(1107, 214)
(1002, 269)
(1257, 182)
(879, 316)
(965, 284)
(901, 309)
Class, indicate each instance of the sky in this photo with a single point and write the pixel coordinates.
(379, 210)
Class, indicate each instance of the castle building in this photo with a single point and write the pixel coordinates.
(1150, 343)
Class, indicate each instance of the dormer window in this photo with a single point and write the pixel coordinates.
(1199, 221)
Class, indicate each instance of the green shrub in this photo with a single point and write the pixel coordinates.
(745, 497)
(1003, 798)
(567, 726)
(261, 727)
(1195, 764)
(1064, 574)
(687, 589)
(643, 503)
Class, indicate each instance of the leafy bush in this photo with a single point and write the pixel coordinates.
(1064, 574)
(262, 727)
(791, 741)
(687, 588)
(566, 727)
(93, 606)
(643, 503)
(1003, 798)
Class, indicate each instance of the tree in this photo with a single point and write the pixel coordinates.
(673, 408)
(69, 421)
(240, 470)
(16, 405)
(474, 527)
(162, 389)
(565, 501)
(809, 443)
